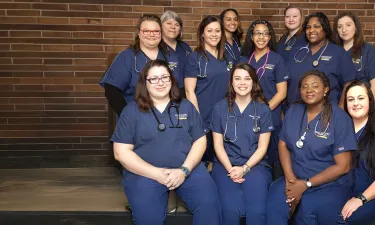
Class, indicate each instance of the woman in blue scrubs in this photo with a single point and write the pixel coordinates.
(320, 54)
(347, 32)
(259, 52)
(359, 103)
(233, 33)
(315, 146)
(241, 126)
(159, 140)
(294, 37)
(120, 79)
(207, 72)
(172, 34)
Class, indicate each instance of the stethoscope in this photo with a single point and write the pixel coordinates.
(360, 62)
(316, 62)
(256, 127)
(187, 52)
(302, 138)
(146, 60)
(262, 67)
(289, 44)
(162, 126)
(229, 66)
(230, 50)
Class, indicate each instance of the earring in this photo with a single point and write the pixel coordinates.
(325, 94)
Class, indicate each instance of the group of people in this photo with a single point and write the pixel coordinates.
(269, 116)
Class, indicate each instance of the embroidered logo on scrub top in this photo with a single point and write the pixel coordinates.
(172, 65)
(182, 116)
(254, 117)
(230, 66)
(269, 66)
(270, 128)
(324, 135)
(326, 58)
(356, 61)
(341, 148)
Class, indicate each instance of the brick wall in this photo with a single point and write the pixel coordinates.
(53, 52)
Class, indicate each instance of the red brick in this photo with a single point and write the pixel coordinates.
(331, 6)
(187, 3)
(88, 87)
(157, 2)
(119, 35)
(57, 48)
(50, 6)
(242, 5)
(25, 100)
(15, 6)
(91, 81)
(127, 22)
(25, 33)
(58, 100)
(17, 20)
(208, 11)
(23, 12)
(85, 21)
(359, 6)
(89, 74)
(28, 87)
(27, 61)
(119, 8)
(58, 61)
(51, 20)
(56, 34)
(28, 107)
(58, 87)
(91, 100)
(5, 61)
(89, 61)
(5, 47)
(26, 47)
(263, 12)
(274, 5)
(180, 9)
(88, 48)
(148, 9)
(6, 88)
(95, 35)
(58, 74)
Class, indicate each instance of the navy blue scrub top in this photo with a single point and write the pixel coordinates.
(334, 62)
(125, 70)
(285, 49)
(365, 65)
(168, 148)
(319, 148)
(363, 177)
(212, 86)
(182, 51)
(275, 72)
(234, 51)
(240, 149)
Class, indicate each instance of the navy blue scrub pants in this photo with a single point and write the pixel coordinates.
(246, 199)
(273, 154)
(148, 198)
(318, 206)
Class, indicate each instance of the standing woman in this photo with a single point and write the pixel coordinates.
(359, 103)
(315, 143)
(172, 35)
(207, 72)
(320, 54)
(233, 33)
(241, 126)
(259, 51)
(159, 140)
(347, 32)
(294, 37)
(120, 79)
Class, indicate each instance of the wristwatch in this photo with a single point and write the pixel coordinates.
(308, 183)
(362, 198)
(185, 170)
(245, 171)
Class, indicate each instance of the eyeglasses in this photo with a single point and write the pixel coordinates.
(148, 32)
(264, 34)
(155, 80)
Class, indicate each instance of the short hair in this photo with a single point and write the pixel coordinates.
(172, 15)
(142, 97)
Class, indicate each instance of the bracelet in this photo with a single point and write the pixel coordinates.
(245, 171)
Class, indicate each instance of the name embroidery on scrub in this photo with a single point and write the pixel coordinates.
(269, 66)
(230, 66)
(182, 116)
(322, 135)
(341, 148)
(172, 65)
(253, 117)
(356, 61)
(325, 58)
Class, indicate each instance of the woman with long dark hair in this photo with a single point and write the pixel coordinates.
(360, 104)
(159, 140)
(347, 32)
(233, 32)
(315, 146)
(120, 79)
(207, 73)
(241, 126)
(259, 51)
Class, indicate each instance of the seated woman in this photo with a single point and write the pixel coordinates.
(359, 103)
(241, 126)
(160, 141)
(315, 143)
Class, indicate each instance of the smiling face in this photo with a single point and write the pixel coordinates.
(160, 84)
(313, 90)
(171, 29)
(149, 34)
(292, 19)
(314, 31)
(230, 21)
(242, 82)
(212, 35)
(261, 36)
(357, 101)
(346, 28)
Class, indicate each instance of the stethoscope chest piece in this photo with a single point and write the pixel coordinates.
(256, 129)
(315, 63)
(299, 144)
(161, 127)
